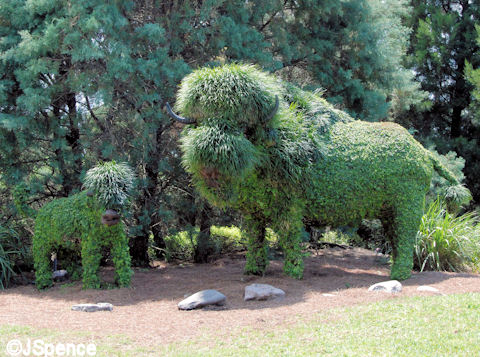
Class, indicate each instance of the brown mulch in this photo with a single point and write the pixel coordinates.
(147, 312)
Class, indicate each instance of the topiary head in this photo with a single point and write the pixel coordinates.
(232, 108)
(111, 183)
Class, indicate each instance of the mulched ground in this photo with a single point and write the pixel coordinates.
(148, 313)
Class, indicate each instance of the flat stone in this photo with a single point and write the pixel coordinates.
(101, 306)
(201, 299)
(390, 286)
(262, 292)
(329, 295)
(428, 288)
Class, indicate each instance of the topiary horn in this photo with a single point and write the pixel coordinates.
(178, 117)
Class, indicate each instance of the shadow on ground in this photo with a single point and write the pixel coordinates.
(327, 271)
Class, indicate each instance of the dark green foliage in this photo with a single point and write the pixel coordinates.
(310, 161)
(20, 199)
(73, 223)
(473, 76)
(439, 185)
(443, 46)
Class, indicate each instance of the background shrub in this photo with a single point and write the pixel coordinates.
(223, 239)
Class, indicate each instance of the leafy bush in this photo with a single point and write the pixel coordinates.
(447, 242)
(181, 245)
(337, 237)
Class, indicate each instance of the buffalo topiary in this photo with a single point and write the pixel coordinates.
(282, 155)
(81, 218)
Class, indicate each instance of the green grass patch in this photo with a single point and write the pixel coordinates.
(419, 326)
(416, 326)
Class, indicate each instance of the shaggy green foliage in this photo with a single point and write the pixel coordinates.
(241, 95)
(74, 223)
(217, 145)
(309, 161)
(446, 241)
(111, 182)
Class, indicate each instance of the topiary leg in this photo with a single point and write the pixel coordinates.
(405, 223)
(290, 237)
(120, 255)
(41, 258)
(91, 256)
(257, 260)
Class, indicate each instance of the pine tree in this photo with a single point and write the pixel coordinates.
(473, 76)
(442, 42)
(443, 39)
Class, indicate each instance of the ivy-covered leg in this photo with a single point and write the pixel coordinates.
(290, 237)
(405, 226)
(257, 260)
(91, 256)
(120, 255)
(41, 260)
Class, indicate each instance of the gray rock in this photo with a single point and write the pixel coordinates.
(201, 299)
(262, 292)
(428, 288)
(59, 274)
(390, 286)
(101, 306)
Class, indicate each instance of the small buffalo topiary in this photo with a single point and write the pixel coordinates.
(282, 155)
(82, 218)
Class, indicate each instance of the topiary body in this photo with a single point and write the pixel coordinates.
(75, 223)
(308, 161)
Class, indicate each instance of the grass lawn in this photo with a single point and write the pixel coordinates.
(418, 326)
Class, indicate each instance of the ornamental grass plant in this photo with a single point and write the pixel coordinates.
(11, 249)
(447, 242)
(6, 268)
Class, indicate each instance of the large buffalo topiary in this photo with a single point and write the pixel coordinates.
(281, 155)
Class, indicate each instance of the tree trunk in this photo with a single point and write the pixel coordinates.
(455, 127)
(204, 248)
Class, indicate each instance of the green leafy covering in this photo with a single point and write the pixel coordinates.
(74, 223)
(310, 161)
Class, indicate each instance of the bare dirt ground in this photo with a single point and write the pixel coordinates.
(147, 312)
